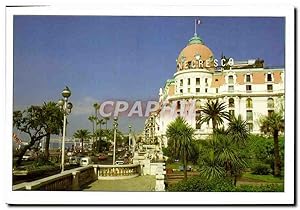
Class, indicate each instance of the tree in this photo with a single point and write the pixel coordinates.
(96, 107)
(237, 129)
(106, 119)
(180, 136)
(215, 112)
(219, 157)
(38, 122)
(272, 125)
(99, 122)
(54, 121)
(82, 134)
(92, 119)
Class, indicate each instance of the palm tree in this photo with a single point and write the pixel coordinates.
(180, 136)
(92, 119)
(82, 134)
(273, 124)
(53, 118)
(96, 107)
(238, 130)
(215, 112)
(99, 122)
(106, 119)
(219, 157)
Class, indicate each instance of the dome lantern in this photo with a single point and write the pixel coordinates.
(195, 40)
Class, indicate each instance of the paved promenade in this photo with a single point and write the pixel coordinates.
(141, 183)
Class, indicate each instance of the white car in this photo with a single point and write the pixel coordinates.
(119, 162)
(85, 161)
(26, 157)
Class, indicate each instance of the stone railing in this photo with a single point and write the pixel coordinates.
(74, 179)
(160, 177)
(68, 180)
(113, 172)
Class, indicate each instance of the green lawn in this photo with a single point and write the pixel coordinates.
(176, 165)
(264, 178)
(173, 165)
(140, 183)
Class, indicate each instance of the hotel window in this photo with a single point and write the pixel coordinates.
(217, 90)
(197, 81)
(205, 90)
(248, 78)
(230, 88)
(197, 90)
(198, 104)
(270, 103)
(198, 119)
(270, 112)
(189, 90)
(249, 115)
(248, 88)
(231, 103)
(230, 79)
(270, 88)
(231, 112)
(181, 82)
(181, 90)
(189, 81)
(249, 103)
(250, 126)
(269, 77)
(178, 105)
(206, 82)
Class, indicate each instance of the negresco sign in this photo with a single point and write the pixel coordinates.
(200, 64)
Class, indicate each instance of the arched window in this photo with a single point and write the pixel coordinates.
(178, 105)
(230, 79)
(231, 103)
(249, 103)
(198, 119)
(270, 103)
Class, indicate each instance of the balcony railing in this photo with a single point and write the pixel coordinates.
(110, 172)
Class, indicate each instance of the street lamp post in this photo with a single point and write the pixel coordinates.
(129, 135)
(115, 137)
(66, 107)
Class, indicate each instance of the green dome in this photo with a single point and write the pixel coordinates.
(195, 40)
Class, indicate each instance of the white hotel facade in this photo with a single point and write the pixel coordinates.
(248, 88)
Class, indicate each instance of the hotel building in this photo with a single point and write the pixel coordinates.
(247, 87)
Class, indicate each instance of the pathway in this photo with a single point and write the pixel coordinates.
(140, 183)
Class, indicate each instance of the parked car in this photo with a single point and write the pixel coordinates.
(84, 161)
(73, 160)
(119, 162)
(26, 157)
(102, 157)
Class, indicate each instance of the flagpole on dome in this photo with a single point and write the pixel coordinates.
(197, 22)
(195, 34)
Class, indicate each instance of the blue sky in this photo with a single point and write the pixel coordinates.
(129, 58)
